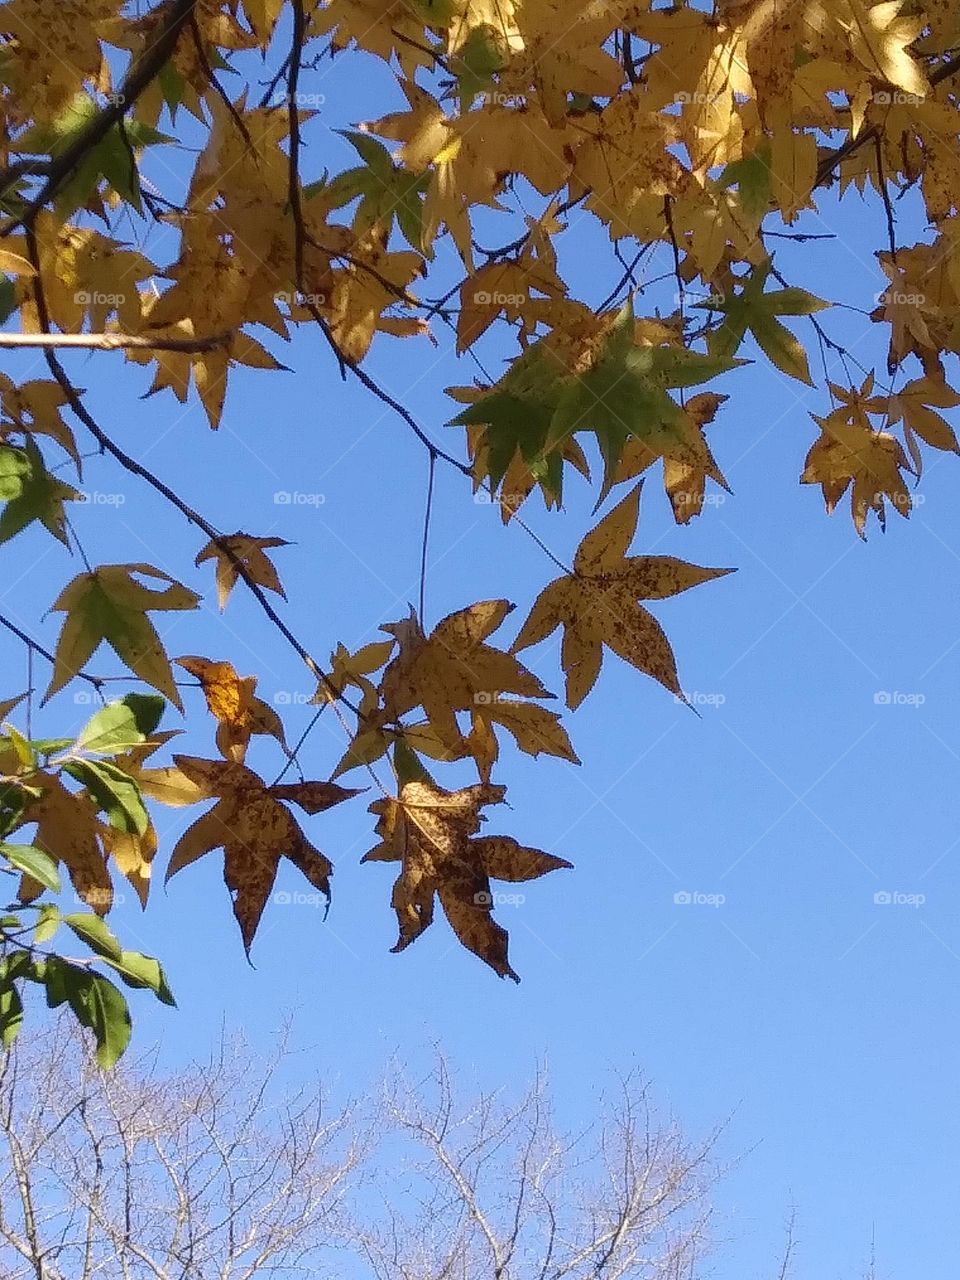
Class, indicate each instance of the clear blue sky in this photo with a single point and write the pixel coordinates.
(822, 1022)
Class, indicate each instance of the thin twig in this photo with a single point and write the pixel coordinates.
(426, 532)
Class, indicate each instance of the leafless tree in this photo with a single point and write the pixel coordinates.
(217, 1173)
(491, 1190)
(200, 1174)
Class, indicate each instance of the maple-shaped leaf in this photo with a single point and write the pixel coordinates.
(916, 405)
(255, 831)
(535, 730)
(501, 288)
(234, 705)
(108, 603)
(597, 605)
(385, 192)
(133, 855)
(69, 832)
(34, 408)
(880, 38)
(848, 453)
(354, 669)
(754, 310)
(608, 382)
(451, 668)
(431, 832)
(687, 460)
(249, 551)
(563, 53)
(40, 497)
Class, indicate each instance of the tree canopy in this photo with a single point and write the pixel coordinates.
(693, 141)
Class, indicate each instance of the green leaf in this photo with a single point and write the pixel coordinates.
(22, 748)
(752, 177)
(115, 792)
(8, 299)
(172, 86)
(34, 863)
(111, 603)
(14, 468)
(13, 801)
(408, 765)
(373, 153)
(41, 497)
(51, 973)
(11, 1014)
(99, 1005)
(122, 724)
(754, 310)
(138, 970)
(98, 936)
(48, 922)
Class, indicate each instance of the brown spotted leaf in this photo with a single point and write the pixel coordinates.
(870, 463)
(242, 549)
(430, 832)
(255, 831)
(69, 831)
(453, 669)
(233, 704)
(598, 605)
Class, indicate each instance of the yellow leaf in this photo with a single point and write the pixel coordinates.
(109, 604)
(597, 605)
(430, 832)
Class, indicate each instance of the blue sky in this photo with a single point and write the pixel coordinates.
(785, 996)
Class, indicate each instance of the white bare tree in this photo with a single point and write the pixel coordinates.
(193, 1175)
(217, 1173)
(491, 1190)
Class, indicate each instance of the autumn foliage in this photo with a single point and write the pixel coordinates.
(692, 135)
